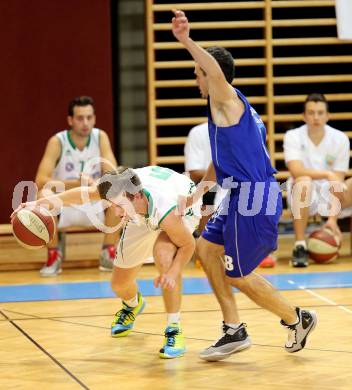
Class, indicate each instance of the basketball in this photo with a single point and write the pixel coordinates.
(323, 246)
(33, 229)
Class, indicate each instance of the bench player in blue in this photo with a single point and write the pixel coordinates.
(245, 227)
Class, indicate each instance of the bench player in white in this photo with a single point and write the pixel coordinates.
(72, 156)
(315, 155)
(147, 199)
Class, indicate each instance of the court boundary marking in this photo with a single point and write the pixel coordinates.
(42, 349)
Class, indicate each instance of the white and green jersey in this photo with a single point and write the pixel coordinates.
(162, 187)
(73, 161)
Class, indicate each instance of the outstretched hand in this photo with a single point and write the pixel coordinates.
(180, 25)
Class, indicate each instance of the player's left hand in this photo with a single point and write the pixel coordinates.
(180, 25)
(165, 281)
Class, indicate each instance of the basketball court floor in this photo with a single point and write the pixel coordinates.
(55, 334)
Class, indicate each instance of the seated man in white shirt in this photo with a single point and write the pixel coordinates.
(317, 156)
(197, 160)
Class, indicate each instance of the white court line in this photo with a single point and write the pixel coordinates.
(321, 297)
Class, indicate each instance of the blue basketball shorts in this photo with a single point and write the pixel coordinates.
(247, 240)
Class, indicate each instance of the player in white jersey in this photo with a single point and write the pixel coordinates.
(316, 155)
(80, 153)
(147, 199)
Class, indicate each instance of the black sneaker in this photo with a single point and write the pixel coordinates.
(299, 257)
(298, 333)
(232, 341)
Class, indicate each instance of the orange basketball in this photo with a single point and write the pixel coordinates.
(33, 229)
(323, 246)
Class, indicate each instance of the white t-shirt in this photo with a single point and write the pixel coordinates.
(333, 152)
(162, 187)
(198, 154)
(197, 149)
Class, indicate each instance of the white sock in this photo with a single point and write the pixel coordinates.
(132, 302)
(233, 326)
(173, 318)
(302, 242)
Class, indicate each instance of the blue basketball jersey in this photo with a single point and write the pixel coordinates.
(246, 222)
(239, 151)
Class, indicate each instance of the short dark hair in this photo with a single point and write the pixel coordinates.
(80, 101)
(316, 97)
(123, 179)
(225, 60)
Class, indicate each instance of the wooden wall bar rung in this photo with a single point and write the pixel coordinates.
(313, 79)
(205, 44)
(186, 121)
(171, 140)
(190, 64)
(209, 6)
(192, 83)
(302, 3)
(303, 22)
(309, 41)
(199, 102)
(214, 25)
(162, 160)
(298, 117)
(311, 60)
(300, 98)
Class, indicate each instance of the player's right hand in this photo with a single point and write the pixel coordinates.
(165, 281)
(27, 205)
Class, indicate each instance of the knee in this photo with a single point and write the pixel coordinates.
(241, 283)
(301, 189)
(163, 258)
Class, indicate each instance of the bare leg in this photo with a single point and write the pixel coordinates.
(301, 199)
(210, 255)
(164, 252)
(123, 282)
(347, 196)
(263, 294)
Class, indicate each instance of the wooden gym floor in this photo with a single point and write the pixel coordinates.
(65, 344)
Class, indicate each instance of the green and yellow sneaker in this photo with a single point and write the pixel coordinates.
(123, 321)
(174, 345)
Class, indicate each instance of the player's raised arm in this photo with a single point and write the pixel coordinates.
(219, 89)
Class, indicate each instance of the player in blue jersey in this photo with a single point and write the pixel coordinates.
(245, 227)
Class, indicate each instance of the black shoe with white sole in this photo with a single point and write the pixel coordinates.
(299, 257)
(232, 341)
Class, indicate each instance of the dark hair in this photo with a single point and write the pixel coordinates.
(123, 179)
(80, 101)
(316, 97)
(225, 60)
